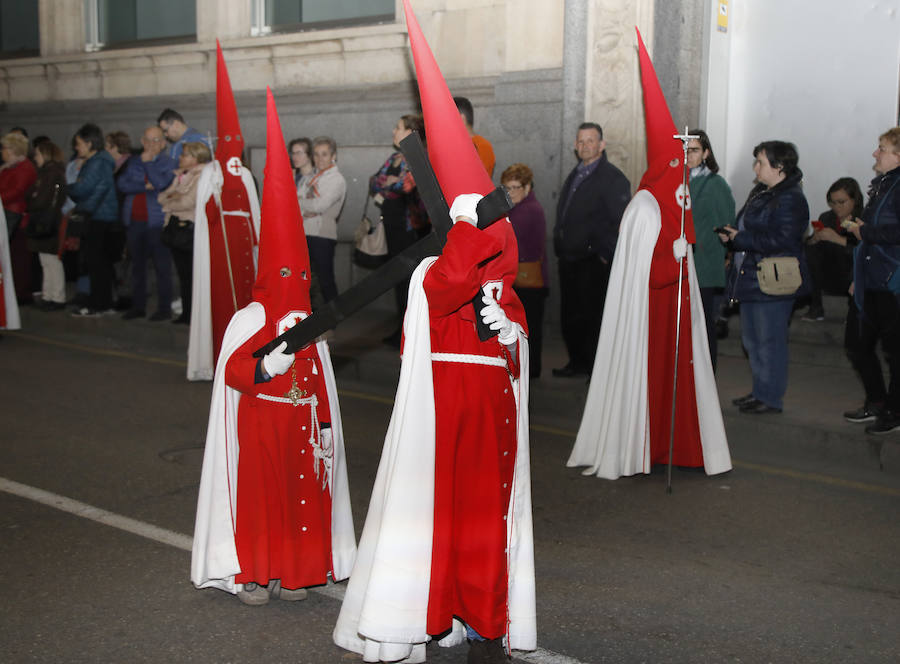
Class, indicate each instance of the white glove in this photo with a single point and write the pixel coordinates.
(463, 208)
(679, 248)
(326, 440)
(495, 318)
(277, 362)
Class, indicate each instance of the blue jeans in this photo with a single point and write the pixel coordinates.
(144, 243)
(764, 333)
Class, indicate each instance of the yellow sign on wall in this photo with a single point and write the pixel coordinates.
(723, 16)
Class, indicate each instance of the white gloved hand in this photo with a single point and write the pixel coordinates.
(277, 362)
(495, 318)
(679, 248)
(463, 208)
(326, 440)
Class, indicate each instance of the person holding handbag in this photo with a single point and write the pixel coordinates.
(178, 202)
(532, 281)
(770, 227)
(44, 201)
(386, 187)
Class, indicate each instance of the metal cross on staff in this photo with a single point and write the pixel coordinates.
(685, 138)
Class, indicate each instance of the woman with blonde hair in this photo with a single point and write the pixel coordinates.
(17, 174)
(178, 203)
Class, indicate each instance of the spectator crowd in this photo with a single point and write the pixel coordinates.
(97, 218)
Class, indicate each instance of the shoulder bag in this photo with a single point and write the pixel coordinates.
(779, 275)
(370, 242)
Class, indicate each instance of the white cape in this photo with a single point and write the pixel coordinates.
(214, 561)
(9, 288)
(384, 613)
(200, 341)
(614, 436)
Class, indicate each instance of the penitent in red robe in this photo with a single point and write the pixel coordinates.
(283, 523)
(232, 270)
(687, 449)
(475, 447)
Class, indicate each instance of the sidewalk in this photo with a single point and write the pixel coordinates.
(811, 430)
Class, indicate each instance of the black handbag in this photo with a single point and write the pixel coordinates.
(78, 222)
(178, 234)
(42, 224)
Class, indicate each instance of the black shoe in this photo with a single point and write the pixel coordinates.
(160, 315)
(47, 305)
(570, 371)
(864, 413)
(887, 422)
(133, 313)
(757, 407)
(740, 401)
(181, 320)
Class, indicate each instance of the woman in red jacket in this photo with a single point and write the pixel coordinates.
(17, 174)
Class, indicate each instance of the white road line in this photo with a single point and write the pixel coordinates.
(184, 542)
(86, 511)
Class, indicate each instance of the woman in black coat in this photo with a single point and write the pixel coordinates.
(772, 223)
(43, 201)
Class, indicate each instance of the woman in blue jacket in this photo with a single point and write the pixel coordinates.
(773, 222)
(875, 315)
(94, 194)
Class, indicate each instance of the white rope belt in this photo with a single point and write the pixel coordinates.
(308, 401)
(463, 358)
(237, 213)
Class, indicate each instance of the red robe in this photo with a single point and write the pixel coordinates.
(283, 523)
(232, 271)
(687, 450)
(475, 447)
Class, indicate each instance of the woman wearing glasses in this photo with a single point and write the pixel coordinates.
(530, 227)
(713, 207)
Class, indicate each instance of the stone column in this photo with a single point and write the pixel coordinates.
(613, 95)
(574, 79)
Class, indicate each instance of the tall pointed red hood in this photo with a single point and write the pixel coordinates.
(228, 127)
(665, 154)
(282, 278)
(450, 149)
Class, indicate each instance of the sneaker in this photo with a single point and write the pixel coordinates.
(887, 422)
(86, 312)
(813, 315)
(864, 413)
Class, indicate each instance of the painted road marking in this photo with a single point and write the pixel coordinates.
(184, 542)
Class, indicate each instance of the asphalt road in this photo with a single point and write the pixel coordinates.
(769, 563)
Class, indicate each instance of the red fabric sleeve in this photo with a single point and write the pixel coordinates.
(454, 278)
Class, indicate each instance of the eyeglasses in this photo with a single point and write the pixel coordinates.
(514, 187)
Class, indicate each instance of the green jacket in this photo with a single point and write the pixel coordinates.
(712, 205)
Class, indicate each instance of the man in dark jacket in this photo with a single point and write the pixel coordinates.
(144, 176)
(876, 286)
(590, 208)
